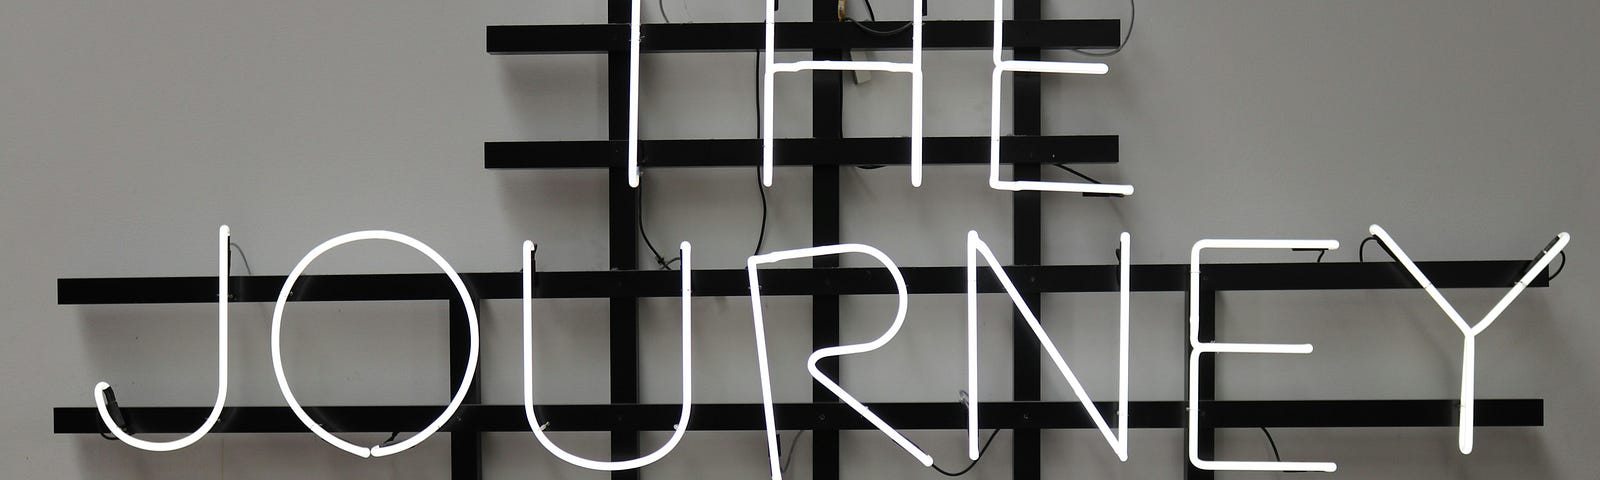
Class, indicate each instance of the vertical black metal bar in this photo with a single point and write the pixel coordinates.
(1207, 367)
(466, 448)
(1027, 228)
(624, 250)
(827, 121)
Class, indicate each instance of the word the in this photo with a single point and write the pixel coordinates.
(770, 68)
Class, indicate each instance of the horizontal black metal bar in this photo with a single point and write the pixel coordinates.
(937, 34)
(799, 152)
(780, 282)
(796, 416)
(792, 281)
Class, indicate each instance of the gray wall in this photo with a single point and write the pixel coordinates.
(130, 130)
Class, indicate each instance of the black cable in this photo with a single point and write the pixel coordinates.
(1361, 252)
(793, 443)
(873, 17)
(882, 33)
(762, 236)
(638, 193)
(1075, 172)
(974, 461)
(1272, 442)
(1320, 252)
(638, 205)
(246, 260)
(1558, 270)
(1133, 14)
(1088, 179)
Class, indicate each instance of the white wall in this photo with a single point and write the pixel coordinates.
(130, 130)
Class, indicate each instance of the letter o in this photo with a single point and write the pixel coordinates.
(277, 337)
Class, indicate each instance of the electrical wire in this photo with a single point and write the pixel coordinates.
(638, 195)
(1558, 270)
(1320, 252)
(1361, 251)
(1079, 174)
(793, 443)
(873, 16)
(246, 260)
(638, 213)
(1087, 179)
(974, 461)
(1272, 442)
(1133, 14)
(881, 33)
(761, 237)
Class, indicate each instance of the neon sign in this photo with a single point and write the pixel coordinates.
(277, 343)
(1470, 332)
(811, 362)
(527, 372)
(1199, 348)
(976, 249)
(1116, 437)
(222, 368)
(1119, 440)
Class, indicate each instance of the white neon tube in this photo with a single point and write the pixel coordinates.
(770, 68)
(633, 96)
(1198, 348)
(223, 234)
(1001, 66)
(751, 266)
(766, 95)
(843, 66)
(1054, 67)
(527, 372)
(277, 343)
(1470, 332)
(1118, 440)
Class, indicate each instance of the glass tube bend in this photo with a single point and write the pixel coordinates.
(472, 350)
(223, 234)
(527, 373)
